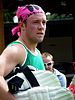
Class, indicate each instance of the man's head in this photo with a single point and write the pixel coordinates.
(48, 61)
(34, 12)
(24, 12)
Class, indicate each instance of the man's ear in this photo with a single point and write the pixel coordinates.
(20, 23)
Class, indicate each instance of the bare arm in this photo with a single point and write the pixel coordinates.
(4, 94)
(10, 57)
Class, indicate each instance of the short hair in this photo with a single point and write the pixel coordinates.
(46, 54)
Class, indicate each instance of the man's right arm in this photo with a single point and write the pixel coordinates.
(10, 57)
(4, 91)
(7, 64)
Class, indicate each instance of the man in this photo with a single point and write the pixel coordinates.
(48, 63)
(31, 31)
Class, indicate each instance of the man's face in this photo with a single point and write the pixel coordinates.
(48, 63)
(36, 27)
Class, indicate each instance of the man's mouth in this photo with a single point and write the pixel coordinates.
(40, 33)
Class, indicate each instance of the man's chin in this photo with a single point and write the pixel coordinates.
(40, 40)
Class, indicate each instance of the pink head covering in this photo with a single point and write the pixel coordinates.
(24, 12)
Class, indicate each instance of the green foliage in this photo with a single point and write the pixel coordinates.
(55, 16)
(8, 15)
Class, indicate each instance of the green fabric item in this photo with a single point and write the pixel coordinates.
(33, 60)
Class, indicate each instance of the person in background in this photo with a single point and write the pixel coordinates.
(48, 63)
(31, 31)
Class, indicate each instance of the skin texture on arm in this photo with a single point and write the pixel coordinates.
(5, 95)
(8, 60)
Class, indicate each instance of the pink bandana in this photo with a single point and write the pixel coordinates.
(23, 13)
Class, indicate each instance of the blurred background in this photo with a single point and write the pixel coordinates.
(60, 34)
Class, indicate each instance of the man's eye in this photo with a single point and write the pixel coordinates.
(44, 22)
(35, 21)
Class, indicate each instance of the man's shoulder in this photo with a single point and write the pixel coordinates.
(15, 49)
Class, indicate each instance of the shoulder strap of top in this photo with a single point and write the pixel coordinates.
(16, 42)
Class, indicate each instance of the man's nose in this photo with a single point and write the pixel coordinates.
(41, 26)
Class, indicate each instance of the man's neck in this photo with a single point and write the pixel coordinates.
(29, 45)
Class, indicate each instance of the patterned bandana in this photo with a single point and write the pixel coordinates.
(23, 13)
